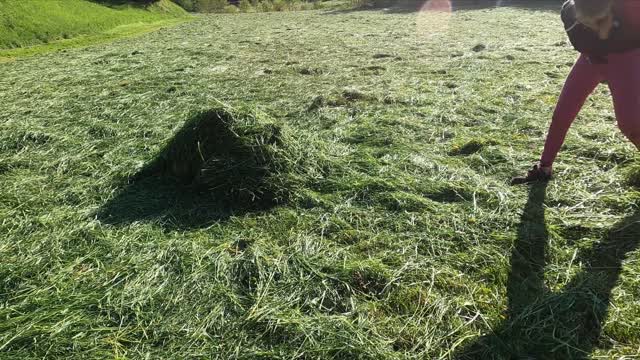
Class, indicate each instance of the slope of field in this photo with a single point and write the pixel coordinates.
(406, 243)
(33, 22)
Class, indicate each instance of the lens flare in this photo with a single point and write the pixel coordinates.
(434, 17)
(437, 5)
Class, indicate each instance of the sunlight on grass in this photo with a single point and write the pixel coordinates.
(119, 32)
(399, 236)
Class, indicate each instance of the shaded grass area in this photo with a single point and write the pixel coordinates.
(403, 240)
(28, 23)
(542, 323)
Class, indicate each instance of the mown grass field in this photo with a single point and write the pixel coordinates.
(406, 242)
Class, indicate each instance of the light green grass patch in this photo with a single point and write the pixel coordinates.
(34, 22)
(119, 32)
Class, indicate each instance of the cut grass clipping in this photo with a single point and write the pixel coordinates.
(244, 160)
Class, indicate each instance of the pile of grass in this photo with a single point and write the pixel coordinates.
(26, 23)
(243, 159)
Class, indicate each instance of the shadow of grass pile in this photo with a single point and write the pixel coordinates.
(242, 159)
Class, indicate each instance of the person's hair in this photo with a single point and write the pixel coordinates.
(590, 9)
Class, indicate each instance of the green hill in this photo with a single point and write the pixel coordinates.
(33, 22)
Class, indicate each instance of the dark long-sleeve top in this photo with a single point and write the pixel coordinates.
(625, 35)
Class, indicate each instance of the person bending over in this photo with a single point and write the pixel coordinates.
(607, 35)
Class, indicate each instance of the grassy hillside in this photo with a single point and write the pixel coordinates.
(25, 23)
(400, 237)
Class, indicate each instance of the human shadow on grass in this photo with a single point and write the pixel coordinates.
(542, 324)
(214, 167)
(411, 6)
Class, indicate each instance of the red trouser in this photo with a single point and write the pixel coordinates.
(622, 73)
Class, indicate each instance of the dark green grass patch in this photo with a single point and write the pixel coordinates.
(633, 176)
(235, 157)
(471, 147)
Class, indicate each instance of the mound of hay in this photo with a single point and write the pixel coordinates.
(240, 158)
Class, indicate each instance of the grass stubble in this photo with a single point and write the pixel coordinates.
(399, 237)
